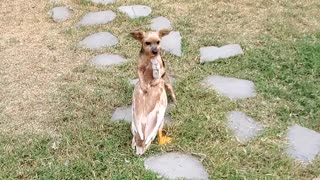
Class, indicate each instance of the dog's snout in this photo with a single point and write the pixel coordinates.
(154, 51)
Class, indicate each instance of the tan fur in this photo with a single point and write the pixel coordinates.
(146, 54)
(149, 96)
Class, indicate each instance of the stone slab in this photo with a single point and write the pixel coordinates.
(160, 23)
(244, 127)
(107, 59)
(98, 40)
(176, 165)
(232, 88)
(104, 2)
(172, 43)
(212, 53)
(97, 18)
(135, 11)
(60, 14)
(304, 144)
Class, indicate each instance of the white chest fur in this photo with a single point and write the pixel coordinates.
(156, 68)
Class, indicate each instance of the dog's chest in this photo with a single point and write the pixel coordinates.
(154, 70)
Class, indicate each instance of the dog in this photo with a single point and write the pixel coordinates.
(150, 49)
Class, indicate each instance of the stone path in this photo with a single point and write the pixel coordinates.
(107, 59)
(99, 40)
(160, 23)
(104, 2)
(212, 53)
(176, 165)
(97, 18)
(304, 144)
(172, 43)
(243, 126)
(232, 88)
(135, 11)
(60, 14)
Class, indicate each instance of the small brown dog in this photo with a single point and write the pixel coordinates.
(150, 50)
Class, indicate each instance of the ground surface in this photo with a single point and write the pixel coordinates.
(55, 108)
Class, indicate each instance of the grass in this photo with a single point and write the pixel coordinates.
(282, 52)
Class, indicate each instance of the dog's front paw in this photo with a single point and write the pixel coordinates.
(155, 82)
(144, 88)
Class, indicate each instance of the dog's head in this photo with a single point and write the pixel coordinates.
(150, 40)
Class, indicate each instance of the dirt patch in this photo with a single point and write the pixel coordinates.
(33, 55)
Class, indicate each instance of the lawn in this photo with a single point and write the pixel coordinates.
(281, 42)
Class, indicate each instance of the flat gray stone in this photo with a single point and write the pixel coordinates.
(104, 2)
(135, 11)
(60, 14)
(107, 60)
(172, 43)
(133, 82)
(125, 114)
(96, 18)
(55, 1)
(160, 23)
(232, 88)
(212, 53)
(176, 165)
(304, 144)
(243, 126)
(98, 41)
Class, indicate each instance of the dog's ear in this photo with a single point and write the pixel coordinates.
(138, 35)
(163, 32)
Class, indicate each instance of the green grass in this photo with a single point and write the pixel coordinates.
(284, 64)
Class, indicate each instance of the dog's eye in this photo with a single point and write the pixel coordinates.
(148, 43)
(158, 42)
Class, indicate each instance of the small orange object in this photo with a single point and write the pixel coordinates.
(163, 139)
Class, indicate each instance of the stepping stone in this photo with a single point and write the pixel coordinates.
(172, 43)
(96, 18)
(55, 1)
(104, 2)
(243, 126)
(60, 14)
(135, 11)
(232, 88)
(133, 82)
(107, 59)
(160, 23)
(212, 53)
(98, 40)
(176, 166)
(125, 114)
(304, 144)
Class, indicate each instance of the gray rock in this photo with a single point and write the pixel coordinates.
(172, 43)
(133, 82)
(160, 23)
(304, 144)
(176, 165)
(104, 2)
(96, 18)
(212, 53)
(232, 88)
(135, 11)
(107, 59)
(55, 1)
(243, 126)
(125, 114)
(60, 14)
(98, 41)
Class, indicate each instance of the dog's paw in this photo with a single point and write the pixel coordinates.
(144, 88)
(155, 82)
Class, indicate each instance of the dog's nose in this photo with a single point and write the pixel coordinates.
(154, 51)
